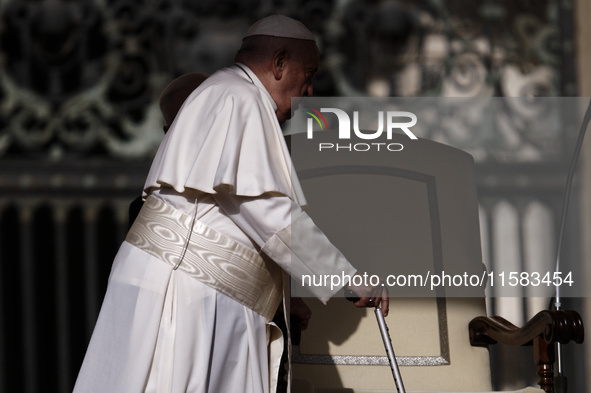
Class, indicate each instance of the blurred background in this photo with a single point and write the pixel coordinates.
(79, 124)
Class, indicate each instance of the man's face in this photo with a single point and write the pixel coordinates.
(296, 81)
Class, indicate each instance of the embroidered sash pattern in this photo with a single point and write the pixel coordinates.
(210, 257)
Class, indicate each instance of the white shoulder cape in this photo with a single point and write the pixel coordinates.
(226, 137)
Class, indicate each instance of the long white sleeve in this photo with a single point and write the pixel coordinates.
(288, 236)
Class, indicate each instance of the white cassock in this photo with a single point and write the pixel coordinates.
(223, 166)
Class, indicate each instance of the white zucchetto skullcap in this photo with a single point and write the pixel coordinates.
(280, 26)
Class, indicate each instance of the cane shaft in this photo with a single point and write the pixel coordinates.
(389, 350)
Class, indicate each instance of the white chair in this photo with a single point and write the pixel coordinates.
(395, 213)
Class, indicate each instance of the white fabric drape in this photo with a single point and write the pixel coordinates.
(159, 331)
(226, 136)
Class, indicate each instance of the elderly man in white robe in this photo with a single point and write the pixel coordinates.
(201, 272)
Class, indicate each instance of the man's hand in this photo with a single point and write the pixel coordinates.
(371, 296)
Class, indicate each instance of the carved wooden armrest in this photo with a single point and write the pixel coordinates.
(542, 331)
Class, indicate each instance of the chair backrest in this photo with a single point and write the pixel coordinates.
(396, 213)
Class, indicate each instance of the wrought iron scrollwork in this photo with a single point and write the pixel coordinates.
(83, 78)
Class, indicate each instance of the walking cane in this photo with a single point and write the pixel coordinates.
(352, 296)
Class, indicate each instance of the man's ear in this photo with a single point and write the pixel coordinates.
(279, 60)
